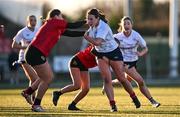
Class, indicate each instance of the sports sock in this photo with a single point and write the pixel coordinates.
(29, 91)
(73, 103)
(112, 102)
(133, 95)
(37, 101)
(60, 93)
(151, 99)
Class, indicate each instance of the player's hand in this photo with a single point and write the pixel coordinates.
(86, 35)
(139, 54)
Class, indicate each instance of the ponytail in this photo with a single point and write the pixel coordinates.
(102, 16)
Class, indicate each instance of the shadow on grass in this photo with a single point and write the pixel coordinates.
(26, 111)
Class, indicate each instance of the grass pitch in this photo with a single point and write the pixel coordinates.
(95, 104)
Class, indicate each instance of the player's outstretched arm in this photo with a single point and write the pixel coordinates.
(70, 33)
(76, 24)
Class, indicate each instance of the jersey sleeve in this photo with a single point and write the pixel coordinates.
(101, 32)
(141, 41)
(116, 36)
(18, 37)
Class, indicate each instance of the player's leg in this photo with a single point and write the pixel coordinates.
(30, 90)
(45, 73)
(118, 69)
(30, 74)
(85, 86)
(106, 75)
(116, 82)
(76, 84)
(132, 72)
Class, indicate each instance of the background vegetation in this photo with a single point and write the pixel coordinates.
(151, 20)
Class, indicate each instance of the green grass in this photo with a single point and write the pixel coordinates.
(94, 104)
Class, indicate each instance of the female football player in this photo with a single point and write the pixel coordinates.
(78, 66)
(37, 52)
(21, 41)
(129, 40)
(101, 36)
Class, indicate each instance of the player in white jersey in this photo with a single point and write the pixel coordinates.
(21, 41)
(101, 36)
(129, 40)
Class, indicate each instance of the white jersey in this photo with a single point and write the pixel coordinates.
(24, 37)
(129, 45)
(104, 32)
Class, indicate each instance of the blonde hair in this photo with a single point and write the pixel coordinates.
(122, 20)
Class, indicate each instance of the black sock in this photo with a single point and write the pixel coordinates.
(60, 93)
(151, 99)
(37, 101)
(73, 103)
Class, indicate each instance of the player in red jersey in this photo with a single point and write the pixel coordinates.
(39, 49)
(79, 65)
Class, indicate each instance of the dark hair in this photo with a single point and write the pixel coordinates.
(97, 13)
(53, 13)
(30, 16)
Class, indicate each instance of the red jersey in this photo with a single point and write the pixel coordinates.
(48, 35)
(87, 58)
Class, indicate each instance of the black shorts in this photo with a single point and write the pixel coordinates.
(34, 57)
(130, 64)
(75, 62)
(114, 55)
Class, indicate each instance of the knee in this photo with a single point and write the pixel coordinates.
(86, 89)
(49, 80)
(124, 81)
(76, 86)
(141, 82)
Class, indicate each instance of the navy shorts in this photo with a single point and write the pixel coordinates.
(75, 62)
(33, 56)
(130, 64)
(114, 55)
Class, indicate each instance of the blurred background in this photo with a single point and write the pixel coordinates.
(156, 20)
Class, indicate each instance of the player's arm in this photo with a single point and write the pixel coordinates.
(73, 33)
(142, 52)
(76, 24)
(96, 41)
(17, 46)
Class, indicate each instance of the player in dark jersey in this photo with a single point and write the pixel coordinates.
(39, 49)
(79, 65)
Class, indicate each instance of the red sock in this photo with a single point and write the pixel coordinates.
(133, 95)
(112, 102)
(29, 91)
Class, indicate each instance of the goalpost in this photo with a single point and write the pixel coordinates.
(173, 38)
